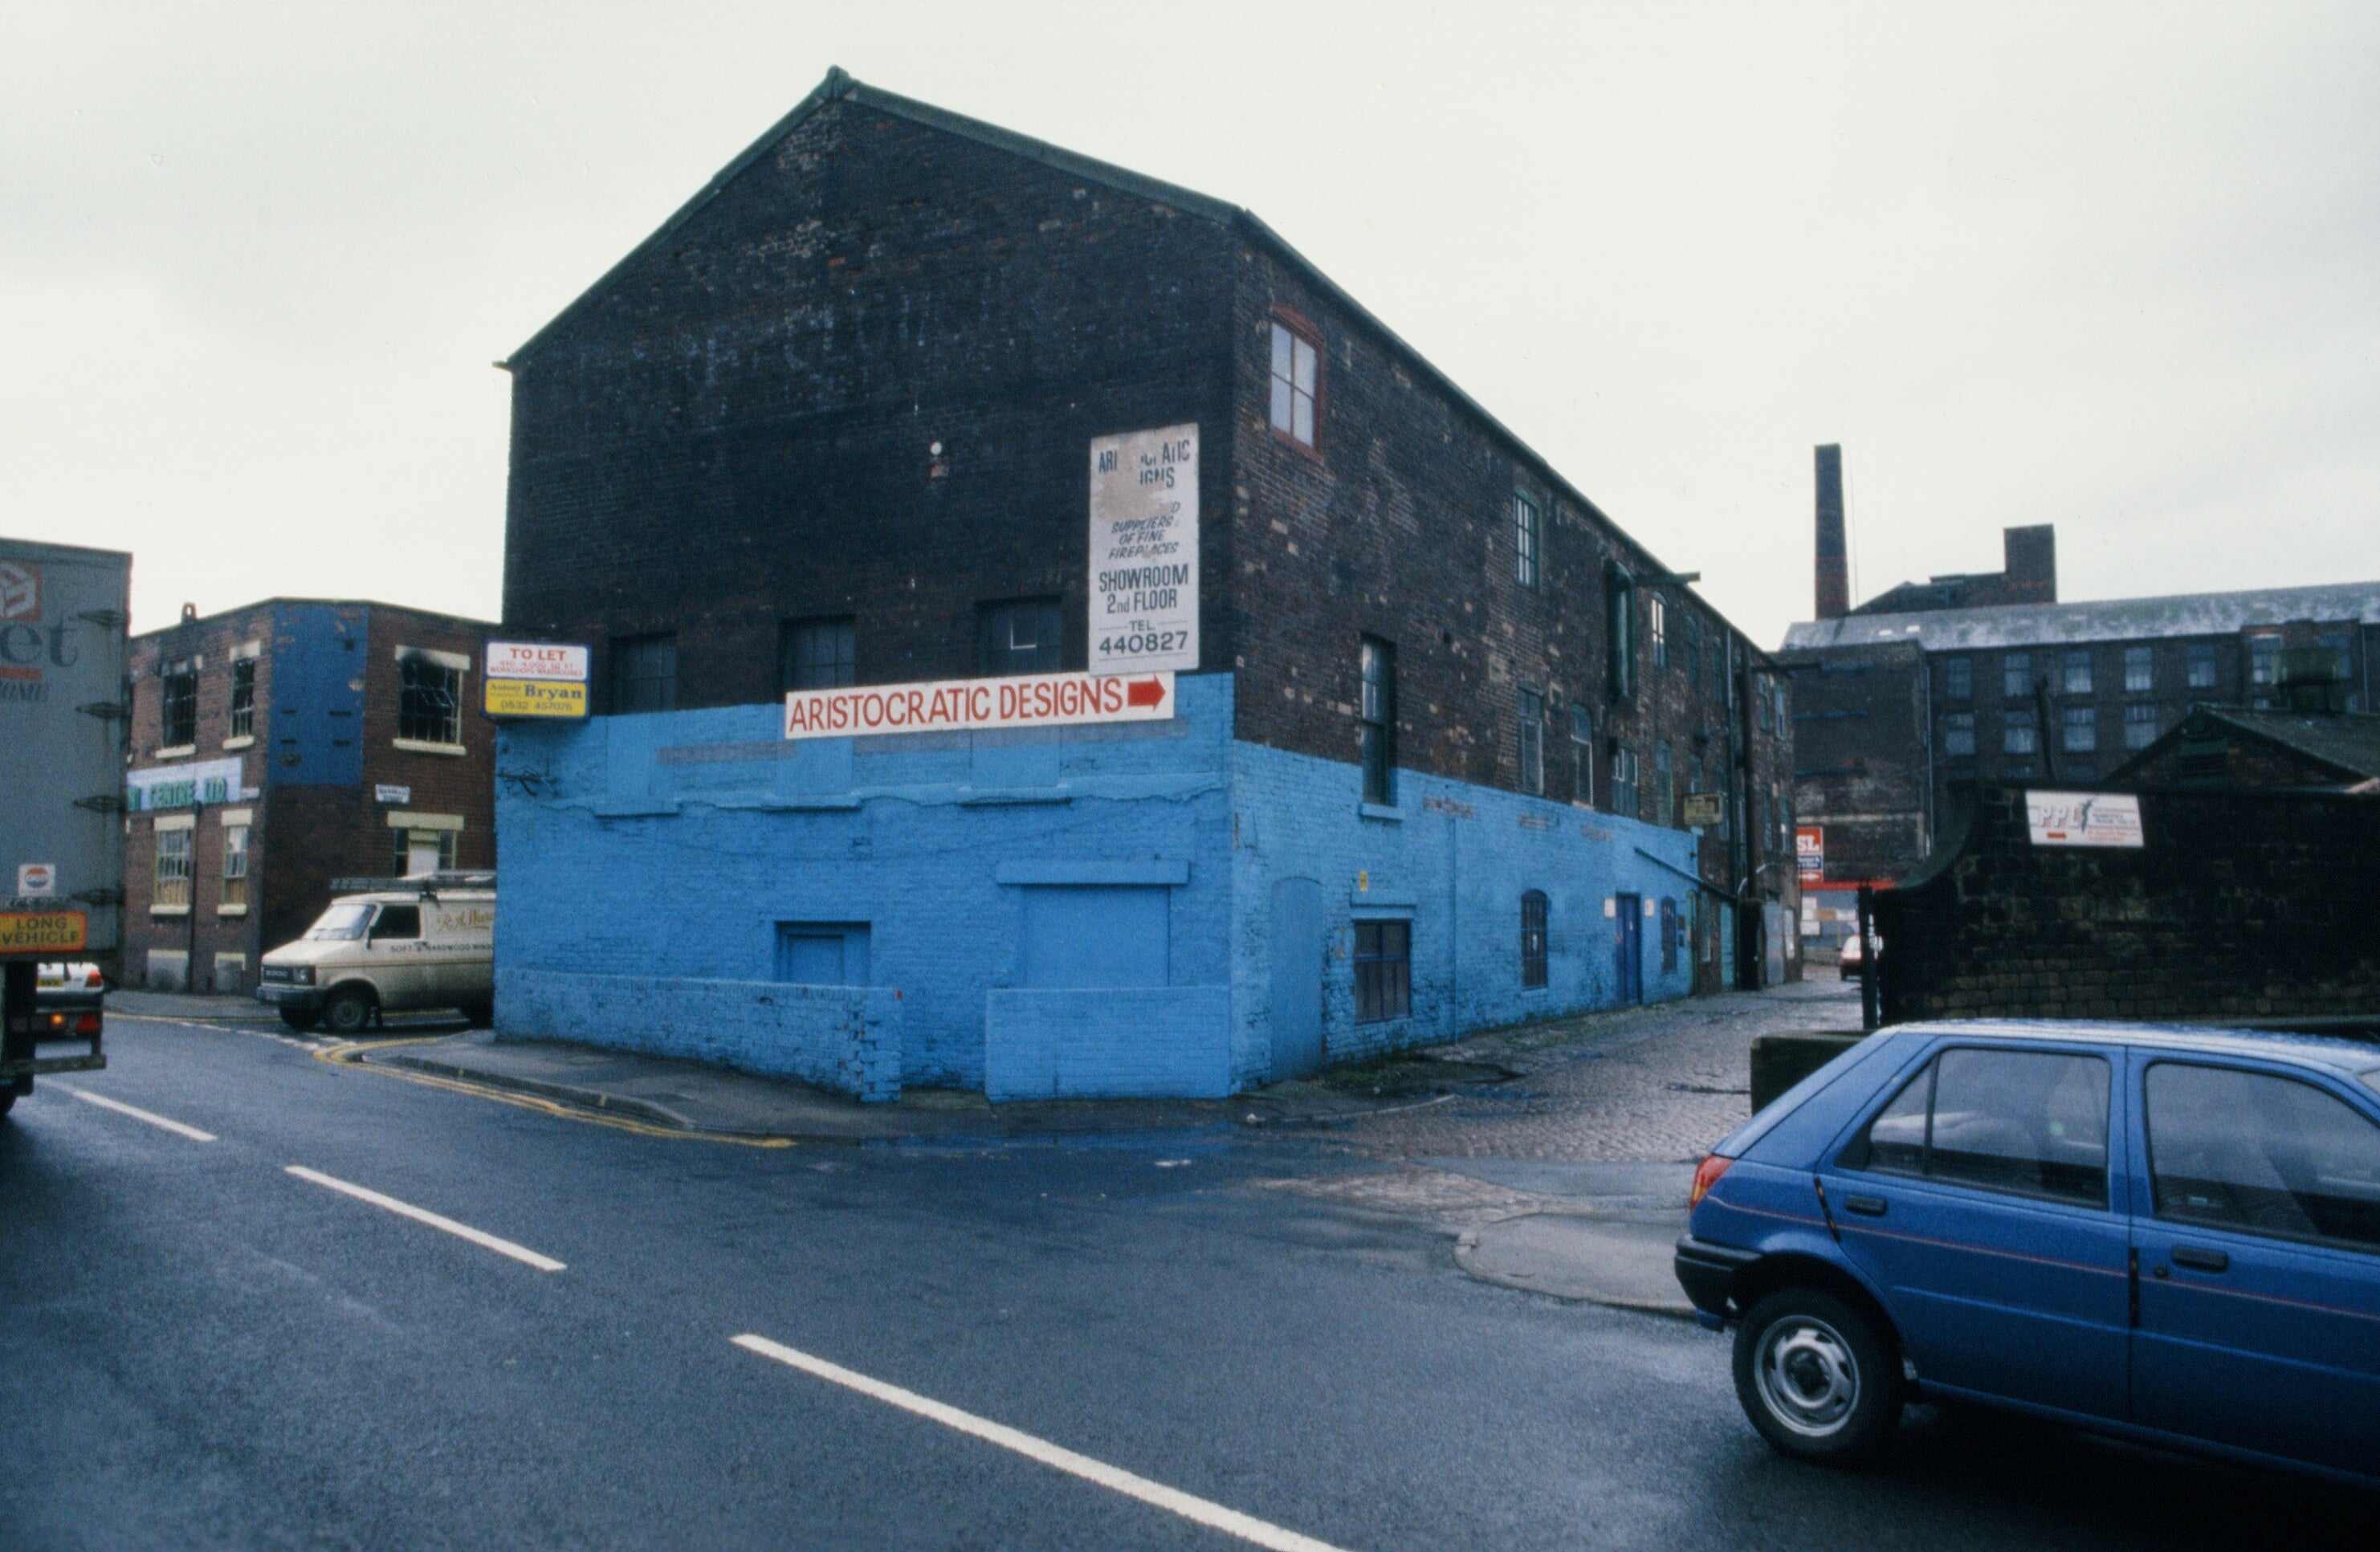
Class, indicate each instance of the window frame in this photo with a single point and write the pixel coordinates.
(2075, 673)
(177, 707)
(1957, 726)
(1529, 717)
(413, 725)
(1582, 755)
(2134, 737)
(2144, 660)
(1959, 678)
(239, 720)
(1375, 714)
(2015, 721)
(2198, 667)
(1535, 915)
(1623, 779)
(2016, 676)
(843, 673)
(234, 870)
(1299, 330)
(624, 649)
(1619, 633)
(1528, 539)
(1657, 627)
(1383, 980)
(1665, 785)
(1855, 1154)
(2078, 730)
(175, 887)
(1054, 651)
(2148, 1139)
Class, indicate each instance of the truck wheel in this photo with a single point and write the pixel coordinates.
(479, 1016)
(349, 1011)
(298, 1019)
(1815, 1376)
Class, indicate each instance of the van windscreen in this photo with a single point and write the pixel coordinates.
(340, 924)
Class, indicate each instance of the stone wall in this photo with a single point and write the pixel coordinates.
(2241, 905)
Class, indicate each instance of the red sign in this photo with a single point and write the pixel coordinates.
(957, 705)
(1810, 851)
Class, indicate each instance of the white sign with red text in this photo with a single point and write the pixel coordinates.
(536, 659)
(963, 705)
(2084, 819)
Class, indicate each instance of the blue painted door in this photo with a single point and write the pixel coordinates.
(1980, 1200)
(1628, 948)
(1095, 936)
(1297, 951)
(2259, 1240)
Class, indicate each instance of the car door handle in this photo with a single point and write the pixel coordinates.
(2201, 1260)
(1866, 1206)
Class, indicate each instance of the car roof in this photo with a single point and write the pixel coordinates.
(2353, 1057)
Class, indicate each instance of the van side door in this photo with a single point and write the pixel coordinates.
(392, 949)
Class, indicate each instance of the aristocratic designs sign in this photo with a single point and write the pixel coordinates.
(1144, 592)
(955, 705)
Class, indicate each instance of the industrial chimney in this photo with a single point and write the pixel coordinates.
(1834, 599)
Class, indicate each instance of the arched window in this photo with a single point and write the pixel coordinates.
(1533, 938)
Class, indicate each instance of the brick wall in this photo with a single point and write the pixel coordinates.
(2241, 905)
(1859, 756)
(843, 1038)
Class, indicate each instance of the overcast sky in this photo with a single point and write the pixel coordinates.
(2113, 268)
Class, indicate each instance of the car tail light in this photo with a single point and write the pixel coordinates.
(1707, 1175)
(87, 1026)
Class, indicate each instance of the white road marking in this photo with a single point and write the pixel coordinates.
(420, 1215)
(1199, 1511)
(120, 1108)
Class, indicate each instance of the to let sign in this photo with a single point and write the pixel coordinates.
(1144, 593)
(536, 679)
(2059, 819)
(957, 705)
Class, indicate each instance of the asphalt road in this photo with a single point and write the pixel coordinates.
(203, 1349)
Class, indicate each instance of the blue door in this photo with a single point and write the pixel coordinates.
(1628, 948)
(1979, 1200)
(2259, 1237)
(1297, 953)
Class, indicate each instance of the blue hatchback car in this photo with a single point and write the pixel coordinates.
(2168, 1234)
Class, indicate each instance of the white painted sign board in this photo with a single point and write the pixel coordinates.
(959, 705)
(2084, 819)
(1144, 591)
(537, 659)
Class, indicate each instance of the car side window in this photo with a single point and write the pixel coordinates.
(397, 921)
(2031, 1123)
(2268, 1155)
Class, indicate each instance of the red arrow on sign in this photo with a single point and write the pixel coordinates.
(1145, 692)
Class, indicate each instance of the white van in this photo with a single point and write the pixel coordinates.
(392, 945)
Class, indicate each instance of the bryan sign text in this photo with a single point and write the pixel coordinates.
(1144, 593)
(955, 705)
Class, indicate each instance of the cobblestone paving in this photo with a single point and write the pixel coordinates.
(1651, 1084)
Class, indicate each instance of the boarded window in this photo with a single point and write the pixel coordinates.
(234, 865)
(1095, 936)
(1383, 970)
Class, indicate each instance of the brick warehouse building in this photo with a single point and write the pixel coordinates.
(831, 426)
(1988, 677)
(281, 746)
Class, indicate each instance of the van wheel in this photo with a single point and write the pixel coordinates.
(348, 1011)
(1816, 1377)
(479, 1016)
(299, 1018)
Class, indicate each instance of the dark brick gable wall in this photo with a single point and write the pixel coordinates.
(738, 431)
(2242, 904)
(1859, 756)
(1399, 524)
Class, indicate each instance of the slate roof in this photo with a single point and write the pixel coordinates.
(2055, 624)
(2349, 744)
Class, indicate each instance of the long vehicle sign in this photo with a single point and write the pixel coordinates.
(959, 705)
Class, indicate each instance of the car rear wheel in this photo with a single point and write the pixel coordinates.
(299, 1018)
(348, 1011)
(1816, 1376)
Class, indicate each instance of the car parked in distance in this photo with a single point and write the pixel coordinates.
(1853, 960)
(399, 946)
(2168, 1234)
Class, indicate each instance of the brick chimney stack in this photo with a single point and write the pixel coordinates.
(2029, 556)
(1834, 583)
